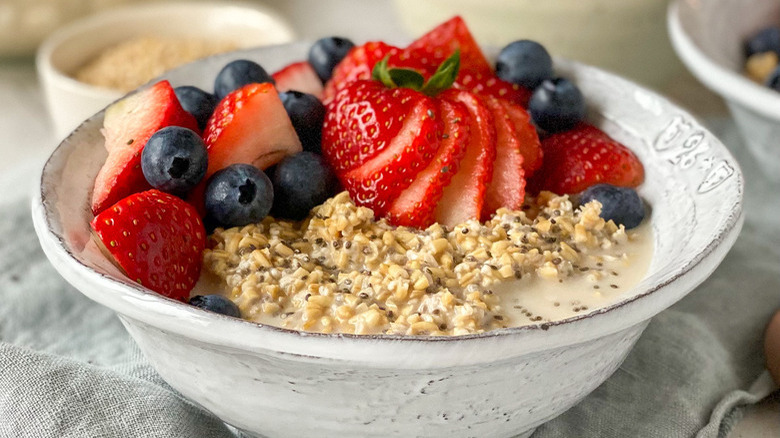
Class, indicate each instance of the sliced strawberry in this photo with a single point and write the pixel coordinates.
(507, 186)
(357, 65)
(362, 121)
(299, 76)
(583, 156)
(490, 85)
(528, 138)
(127, 126)
(156, 239)
(378, 180)
(414, 207)
(249, 125)
(441, 42)
(464, 197)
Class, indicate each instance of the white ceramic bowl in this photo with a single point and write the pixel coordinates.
(70, 101)
(283, 383)
(709, 37)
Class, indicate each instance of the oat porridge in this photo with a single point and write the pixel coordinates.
(342, 271)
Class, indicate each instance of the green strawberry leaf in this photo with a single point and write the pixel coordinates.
(441, 80)
(445, 75)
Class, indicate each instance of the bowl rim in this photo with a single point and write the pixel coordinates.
(55, 248)
(101, 19)
(729, 84)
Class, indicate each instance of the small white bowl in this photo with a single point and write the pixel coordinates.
(282, 383)
(71, 101)
(709, 37)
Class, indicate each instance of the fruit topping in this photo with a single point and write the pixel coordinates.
(414, 207)
(250, 125)
(326, 53)
(301, 182)
(237, 195)
(440, 43)
(216, 303)
(174, 160)
(490, 85)
(524, 62)
(299, 76)
(507, 185)
(621, 205)
(584, 156)
(463, 198)
(196, 102)
(388, 158)
(528, 139)
(556, 105)
(156, 239)
(237, 74)
(358, 64)
(127, 125)
(306, 113)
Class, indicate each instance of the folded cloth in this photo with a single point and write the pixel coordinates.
(69, 369)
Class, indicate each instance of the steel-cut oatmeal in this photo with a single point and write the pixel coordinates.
(343, 271)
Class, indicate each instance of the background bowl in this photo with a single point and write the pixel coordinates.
(282, 383)
(709, 37)
(71, 101)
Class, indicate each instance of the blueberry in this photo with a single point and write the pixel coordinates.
(765, 40)
(196, 102)
(238, 195)
(773, 81)
(301, 182)
(556, 105)
(525, 63)
(306, 113)
(174, 160)
(619, 204)
(216, 303)
(238, 73)
(326, 53)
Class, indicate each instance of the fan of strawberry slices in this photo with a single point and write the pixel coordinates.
(428, 133)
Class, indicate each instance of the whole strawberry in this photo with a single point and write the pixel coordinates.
(156, 239)
(584, 156)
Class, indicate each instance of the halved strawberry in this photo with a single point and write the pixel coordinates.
(156, 239)
(490, 85)
(441, 42)
(414, 207)
(528, 138)
(583, 156)
(388, 163)
(507, 186)
(464, 197)
(249, 125)
(127, 126)
(299, 76)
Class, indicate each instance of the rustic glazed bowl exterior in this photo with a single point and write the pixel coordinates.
(279, 383)
(709, 37)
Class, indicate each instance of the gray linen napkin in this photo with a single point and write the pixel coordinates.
(69, 369)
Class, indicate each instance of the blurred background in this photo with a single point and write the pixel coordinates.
(628, 37)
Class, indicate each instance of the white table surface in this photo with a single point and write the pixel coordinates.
(28, 137)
